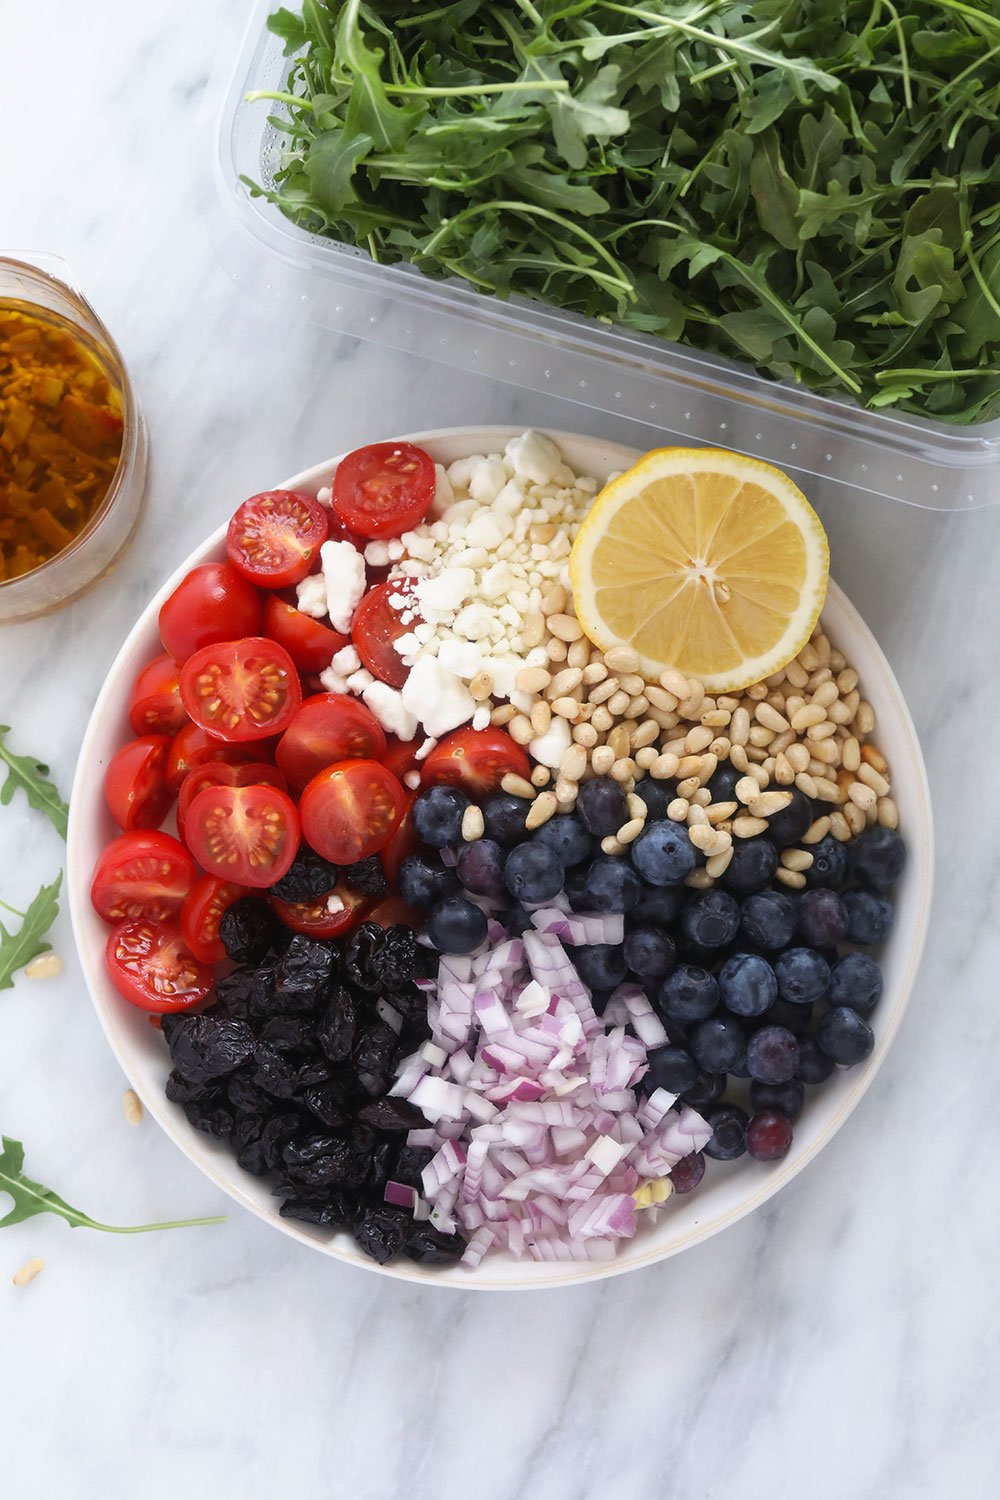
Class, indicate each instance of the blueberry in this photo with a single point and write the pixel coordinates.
(786, 827)
(718, 1043)
(659, 904)
(772, 1055)
(689, 994)
(602, 805)
(729, 1132)
(601, 966)
(747, 984)
(722, 782)
(516, 920)
(769, 1136)
(829, 866)
(711, 919)
(856, 980)
(769, 919)
(671, 1068)
(803, 975)
(575, 887)
(869, 917)
(822, 918)
(423, 880)
(437, 816)
(795, 1018)
(844, 1037)
(568, 837)
(688, 1172)
(663, 854)
(456, 925)
(480, 867)
(786, 1098)
(876, 858)
(504, 816)
(534, 873)
(657, 796)
(752, 866)
(650, 953)
(814, 1065)
(611, 884)
(708, 1089)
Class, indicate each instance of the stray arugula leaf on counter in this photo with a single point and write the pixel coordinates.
(31, 1198)
(20, 947)
(32, 775)
(813, 185)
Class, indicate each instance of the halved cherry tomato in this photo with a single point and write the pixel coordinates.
(404, 841)
(135, 783)
(274, 537)
(376, 624)
(151, 966)
(328, 727)
(315, 917)
(475, 759)
(311, 644)
(350, 810)
(393, 911)
(219, 773)
(202, 912)
(213, 603)
(141, 874)
(193, 746)
(241, 690)
(248, 834)
(384, 489)
(155, 706)
(400, 756)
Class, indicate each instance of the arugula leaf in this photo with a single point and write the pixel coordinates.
(19, 948)
(31, 1198)
(32, 776)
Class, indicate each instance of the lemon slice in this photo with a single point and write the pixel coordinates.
(707, 561)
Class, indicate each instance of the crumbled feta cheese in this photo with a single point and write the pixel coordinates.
(386, 703)
(535, 457)
(334, 904)
(549, 748)
(324, 495)
(510, 500)
(437, 697)
(444, 592)
(422, 752)
(461, 471)
(346, 661)
(464, 658)
(310, 595)
(377, 554)
(395, 548)
(344, 571)
(485, 530)
(473, 622)
(496, 582)
(487, 480)
(481, 718)
(333, 681)
(358, 681)
(443, 492)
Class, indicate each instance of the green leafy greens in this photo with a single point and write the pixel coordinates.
(32, 776)
(19, 948)
(813, 185)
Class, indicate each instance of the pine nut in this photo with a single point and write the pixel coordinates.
(747, 828)
(826, 790)
(781, 742)
(541, 810)
(718, 864)
(473, 826)
(618, 739)
(594, 672)
(840, 829)
(855, 818)
(699, 880)
(839, 713)
(697, 739)
(847, 680)
(864, 719)
(645, 756)
(566, 708)
(623, 770)
(677, 810)
(610, 845)
(720, 748)
(520, 729)
(45, 966)
(660, 698)
(541, 776)
(770, 718)
(821, 731)
(664, 767)
(838, 661)
(796, 859)
(481, 686)
(554, 600)
(766, 804)
(718, 812)
(826, 694)
(874, 758)
(636, 806)
(738, 758)
(622, 659)
(816, 831)
(542, 533)
(888, 813)
(555, 649)
(503, 714)
(756, 754)
(637, 706)
(852, 701)
(702, 797)
(826, 752)
(806, 784)
(516, 785)
(573, 764)
(565, 627)
(747, 789)
(617, 703)
(604, 690)
(602, 758)
(820, 768)
(690, 707)
(541, 718)
(862, 796)
(791, 878)
(601, 719)
(131, 1106)
(532, 680)
(697, 816)
(644, 734)
(585, 735)
(805, 717)
(564, 682)
(28, 1271)
(783, 773)
(690, 765)
(688, 787)
(701, 835)
(757, 692)
(675, 682)
(578, 654)
(665, 720)
(760, 735)
(532, 630)
(718, 718)
(630, 830)
(565, 793)
(808, 657)
(796, 674)
(871, 777)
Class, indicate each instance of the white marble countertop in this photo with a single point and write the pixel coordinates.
(839, 1343)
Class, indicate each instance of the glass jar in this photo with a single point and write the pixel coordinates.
(44, 287)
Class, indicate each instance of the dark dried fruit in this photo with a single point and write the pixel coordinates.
(277, 1132)
(327, 1103)
(395, 960)
(245, 1140)
(335, 1032)
(410, 1163)
(211, 1115)
(180, 1090)
(333, 1211)
(246, 1097)
(430, 1247)
(390, 1113)
(341, 1167)
(374, 1048)
(366, 877)
(247, 930)
(319, 1071)
(209, 1045)
(273, 1072)
(304, 973)
(309, 878)
(288, 1033)
(379, 1164)
(359, 951)
(381, 1232)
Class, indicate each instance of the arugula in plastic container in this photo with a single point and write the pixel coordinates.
(813, 185)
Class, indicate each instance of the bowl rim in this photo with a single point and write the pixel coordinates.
(542, 1275)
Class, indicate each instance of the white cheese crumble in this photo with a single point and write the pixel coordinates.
(437, 697)
(386, 703)
(344, 572)
(310, 595)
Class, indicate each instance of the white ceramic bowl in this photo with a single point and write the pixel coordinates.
(729, 1190)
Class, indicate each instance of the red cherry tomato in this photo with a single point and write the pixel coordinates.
(141, 874)
(202, 912)
(213, 603)
(350, 810)
(241, 690)
(151, 966)
(135, 783)
(248, 834)
(193, 746)
(400, 756)
(384, 489)
(328, 727)
(274, 537)
(375, 626)
(311, 644)
(218, 773)
(315, 917)
(476, 760)
(404, 842)
(155, 706)
(392, 911)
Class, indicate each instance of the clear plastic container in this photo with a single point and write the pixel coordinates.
(676, 391)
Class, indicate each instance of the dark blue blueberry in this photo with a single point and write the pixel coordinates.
(829, 866)
(708, 1089)
(876, 858)
(814, 1065)
(688, 1172)
(456, 925)
(533, 873)
(856, 980)
(822, 918)
(752, 866)
(516, 919)
(796, 1018)
(729, 1132)
(786, 1098)
(657, 796)
(568, 837)
(437, 816)
(869, 917)
(722, 782)
(659, 904)
(480, 868)
(670, 1068)
(650, 952)
(602, 805)
(576, 888)
(718, 1043)
(423, 880)
(769, 1136)
(601, 966)
(711, 919)
(504, 816)
(844, 1037)
(786, 827)
(772, 1055)
(663, 854)
(611, 884)
(747, 984)
(688, 994)
(803, 975)
(769, 919)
